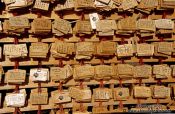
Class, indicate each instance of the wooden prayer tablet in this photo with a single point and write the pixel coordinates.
(167, 3)
(18, 21)
(124, 71)
(17, 4)
(78, 94)
(61, 27)
(161, 50)
(85, 50)
(15, 76)
(16, 30)
(83, 4)
(39, 50)
(128, 23)
(146, 24)
(142, 92)
(104, 72)
(84, 72)
(106, 27)
(61, 74)
(41, 5)
(127, 4)
(143, 71)
(16, 25)
(41, 26)
(39, 74)
(165, 48)
(62, 49)
(106, 48)
(94, 18)
(148, 4)
(164, 24)
(102, 94)
(60, 97)
(121, 93)
(15, 99)
(125, 50)
(67, 5)
(161, 71)
(15, 50)
(83, 27)
(161, 92)
(39, 98)
(145, 49)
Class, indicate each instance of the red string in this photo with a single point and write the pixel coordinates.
(61, 83)
(62, 39)
(124, 15)
(61, 15)
(145, 16)
(81, 107)
(121, 104)
(61, 109)
(120, 82)
(140, 81)
(100, 104)
(82, 16)
(17, 110)
(159, 81)
(164, 15)
(103, 39)
(39, 15)
(138, 103)
(15, 14)
(157, 101)
(101, 83)
(39, 87)
(81, 104)
(122, 40)
(39, 109)
(17, 88)
(102, 61)
(81, 84)
(101, 86)
(141, 61)
(82, 39)
(15, 40)
(39, 91)
(60, 63)
(60, 87)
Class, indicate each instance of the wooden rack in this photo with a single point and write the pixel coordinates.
(51, 62)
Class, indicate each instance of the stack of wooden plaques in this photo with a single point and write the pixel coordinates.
(87, 56)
